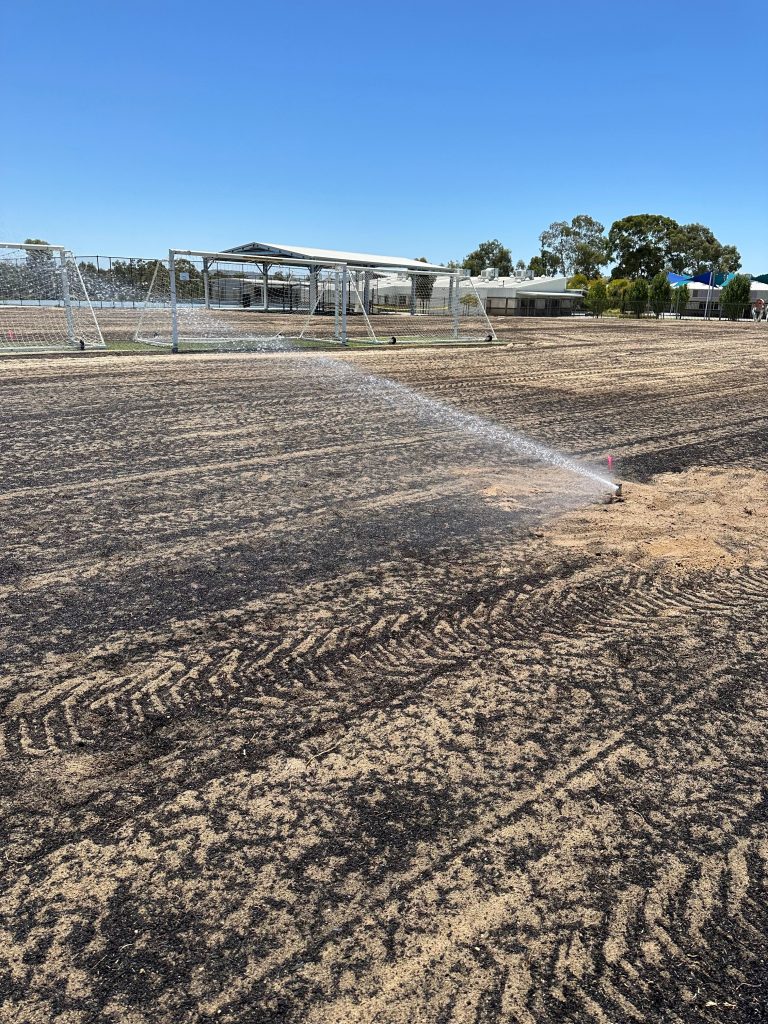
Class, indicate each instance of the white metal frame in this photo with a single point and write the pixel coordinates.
(63, 254)
(341, 290)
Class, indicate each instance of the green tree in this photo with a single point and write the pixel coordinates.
(543, 265)
(660, 294)
(734, 298)
(578, 281)
(636, 296)
(520, 265)
(681, 298)
(590, 246)
(424, 284)
(597, 298)
(468, 301)
(576, 248)
(694, 250)
(617, 290)
(38, 258)
(489, 254)
(556, 243)
(641, 244)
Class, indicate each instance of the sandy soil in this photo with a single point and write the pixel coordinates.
(316, 708)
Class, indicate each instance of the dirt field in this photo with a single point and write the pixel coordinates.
(318, 709)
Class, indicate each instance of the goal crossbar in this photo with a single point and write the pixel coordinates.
(32, 245)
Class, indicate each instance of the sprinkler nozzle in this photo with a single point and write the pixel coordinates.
(617, 490)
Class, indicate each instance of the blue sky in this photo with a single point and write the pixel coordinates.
(406, 128)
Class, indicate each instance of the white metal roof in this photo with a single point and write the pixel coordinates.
(499, 287)
(353, 259)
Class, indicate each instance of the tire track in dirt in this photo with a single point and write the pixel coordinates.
(463, 760)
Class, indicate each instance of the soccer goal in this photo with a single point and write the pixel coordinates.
(208, 301)
(44, 305)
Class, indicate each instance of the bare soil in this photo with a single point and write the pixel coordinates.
(316, 708)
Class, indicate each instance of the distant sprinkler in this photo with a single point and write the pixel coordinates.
(393, 340)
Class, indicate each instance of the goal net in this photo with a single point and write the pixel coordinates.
(44, 305)
(218, 302)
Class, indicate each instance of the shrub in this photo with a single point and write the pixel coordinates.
(616, 292)
(578, 281)
(637, 296)
(681, 298)
(597, 298)
(660, 294)
(734, 298)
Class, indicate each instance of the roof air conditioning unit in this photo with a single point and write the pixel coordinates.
(490, 273)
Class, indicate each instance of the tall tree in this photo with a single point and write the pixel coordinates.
(576, 248)
(543, 265)
(556, 242)
(694, 249)
(489, 254)
(590, 246)
(641, 244)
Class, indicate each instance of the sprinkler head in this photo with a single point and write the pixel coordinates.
(612, 496)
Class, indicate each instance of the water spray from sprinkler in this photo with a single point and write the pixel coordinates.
(472, 424)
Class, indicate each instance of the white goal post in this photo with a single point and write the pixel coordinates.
(44, 304)
(203, 300)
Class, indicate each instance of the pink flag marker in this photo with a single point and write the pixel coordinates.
(610, 463)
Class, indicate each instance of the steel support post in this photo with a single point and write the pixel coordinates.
(456, 304)
(66, 298)
(206, 284)
(344, 294)
(336, 288)
(174, 310)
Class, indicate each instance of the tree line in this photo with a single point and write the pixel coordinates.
(642, 248)
(641, 245)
